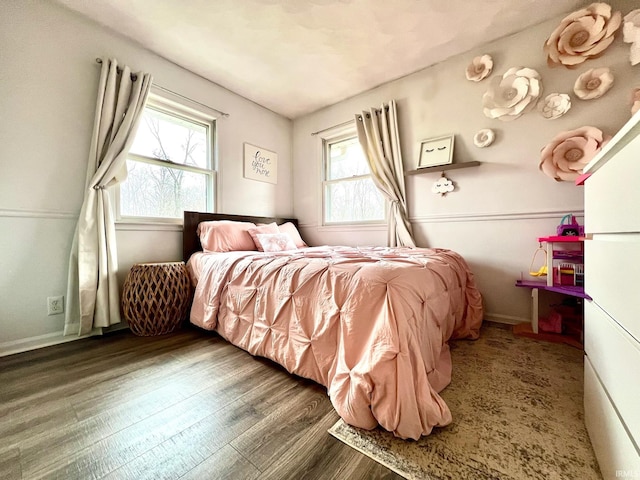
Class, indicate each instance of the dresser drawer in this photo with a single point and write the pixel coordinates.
(612, 191)
(612, 277)
(615, 356)
(614, 449)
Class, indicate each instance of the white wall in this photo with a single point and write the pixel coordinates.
(48, 80)
(499, 208)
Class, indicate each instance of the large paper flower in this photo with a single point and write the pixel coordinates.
(513, 94)
(581, 35)
(554, 105)
(593, 83)
(479, 68)
(564, 157)
(631, 34)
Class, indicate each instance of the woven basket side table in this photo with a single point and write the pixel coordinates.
(156, 297)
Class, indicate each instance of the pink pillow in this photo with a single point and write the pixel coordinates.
(276, 242)
(225, 236)
(291, 230)
(265, 228)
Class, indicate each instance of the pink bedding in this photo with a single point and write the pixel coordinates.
(370, 324)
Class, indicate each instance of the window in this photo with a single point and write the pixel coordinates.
(170, 167)
(349, 194)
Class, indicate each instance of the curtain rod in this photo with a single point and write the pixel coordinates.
(134, 77)
(377, 110)
(331, 128)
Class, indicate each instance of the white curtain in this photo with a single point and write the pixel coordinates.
(378, 135)
(92, 291)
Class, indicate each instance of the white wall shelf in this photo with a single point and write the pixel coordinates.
(442, 168)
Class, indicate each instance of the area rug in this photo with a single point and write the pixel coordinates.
(517, 414)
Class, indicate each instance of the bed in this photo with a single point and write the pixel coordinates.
(370, 324)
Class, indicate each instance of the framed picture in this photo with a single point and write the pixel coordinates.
(436, 151)
(260, 164)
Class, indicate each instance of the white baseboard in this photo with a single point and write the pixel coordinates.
(506, 319)
(116, 327)
(41, 341)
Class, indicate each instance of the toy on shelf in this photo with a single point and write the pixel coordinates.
(569, 274)
(565, 254)
(565, 260)
(570, 229)
(564, 318)
(543, 270)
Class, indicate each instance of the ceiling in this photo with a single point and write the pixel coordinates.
(297, 56)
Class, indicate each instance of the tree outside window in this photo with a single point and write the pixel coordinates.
(169, 166)
(350, 196)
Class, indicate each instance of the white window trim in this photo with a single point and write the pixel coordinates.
(166, 102)
(328, 137)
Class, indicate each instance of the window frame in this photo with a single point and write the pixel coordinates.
(328, 140)
(181, 109)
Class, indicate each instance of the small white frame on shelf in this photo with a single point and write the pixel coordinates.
(436, 151)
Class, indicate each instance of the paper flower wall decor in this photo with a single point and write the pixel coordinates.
(581, 35)
(593, 83)
(443, 186)
(554, 105)
(479, 68)
(631, 34)
(635, 100)
(484, 138)
(513, 94)
(564, 157)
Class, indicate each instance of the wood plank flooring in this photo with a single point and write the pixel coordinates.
(183, 406)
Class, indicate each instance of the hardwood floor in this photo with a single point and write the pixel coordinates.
(181, 406)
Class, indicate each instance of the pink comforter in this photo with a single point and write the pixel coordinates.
(370, 324)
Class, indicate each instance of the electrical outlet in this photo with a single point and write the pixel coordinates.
(55, 305)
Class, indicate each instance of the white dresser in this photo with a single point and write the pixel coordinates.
(612, 318)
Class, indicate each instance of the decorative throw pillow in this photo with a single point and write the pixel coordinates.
(226, 236)
(266, 228)
(291, 230)
(276, 242)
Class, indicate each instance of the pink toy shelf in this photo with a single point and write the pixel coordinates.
(565, 265)
(574, 291)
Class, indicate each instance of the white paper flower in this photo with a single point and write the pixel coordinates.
(443, 186)
(564, 157)
(479, 68)
(635, 100)
(631, 34)
(593, 83)
(484, 138)
(513, 94)
(581, 35)
(554, 105)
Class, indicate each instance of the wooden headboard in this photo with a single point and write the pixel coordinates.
(190, 239)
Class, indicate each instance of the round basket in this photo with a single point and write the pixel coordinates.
(156, 297)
